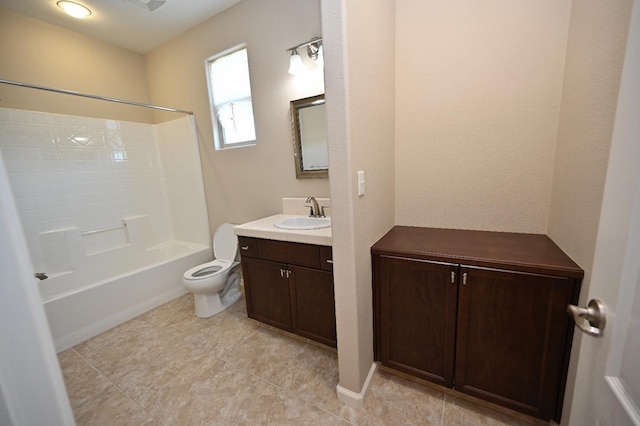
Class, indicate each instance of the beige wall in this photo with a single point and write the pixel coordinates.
(360, 110)
(244, 184)
(39, 53)
(478, 96)
(595, 53)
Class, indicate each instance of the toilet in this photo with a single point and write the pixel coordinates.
(216, 285)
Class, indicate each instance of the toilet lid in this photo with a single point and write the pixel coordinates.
(225, 243)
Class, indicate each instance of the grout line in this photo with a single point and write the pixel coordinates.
(113, 384)
(267, 385)
(444, 407)
(287, 393)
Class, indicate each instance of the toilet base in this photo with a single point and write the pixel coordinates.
(207, 305)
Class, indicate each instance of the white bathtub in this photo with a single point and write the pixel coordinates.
(79, 314)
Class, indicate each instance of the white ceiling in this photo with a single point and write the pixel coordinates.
(125, 25)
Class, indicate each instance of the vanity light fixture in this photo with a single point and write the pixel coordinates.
(314, 51)
(295, 62)
(74, 9)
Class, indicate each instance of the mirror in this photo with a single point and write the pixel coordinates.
(309, 124)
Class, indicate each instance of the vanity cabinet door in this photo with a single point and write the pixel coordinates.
(512, 338)
(267, 292)
(313, 304)
(415, 302)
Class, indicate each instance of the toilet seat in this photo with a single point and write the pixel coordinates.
(225, 249)
(208, 270)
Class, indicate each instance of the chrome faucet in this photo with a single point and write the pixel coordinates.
(315, 208)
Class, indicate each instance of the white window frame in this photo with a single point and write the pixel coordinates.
(218, 133)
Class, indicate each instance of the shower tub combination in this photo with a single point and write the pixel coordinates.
(78, 315)
(113, 212)
(121, 277)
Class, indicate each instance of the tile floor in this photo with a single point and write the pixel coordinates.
(168, 367)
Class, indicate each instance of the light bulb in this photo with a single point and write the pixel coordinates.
(74, 9)
(295, 62)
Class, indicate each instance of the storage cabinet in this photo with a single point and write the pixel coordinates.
(290, 286)
(481, 312)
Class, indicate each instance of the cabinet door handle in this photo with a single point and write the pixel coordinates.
(284, 272)
(330, 261)
(464, 278)
(244, 247)
(453, 277)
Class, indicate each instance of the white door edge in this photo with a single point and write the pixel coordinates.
(624, 397)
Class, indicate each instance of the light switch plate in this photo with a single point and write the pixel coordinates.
(360, 183)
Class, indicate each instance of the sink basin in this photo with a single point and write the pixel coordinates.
(303, 222)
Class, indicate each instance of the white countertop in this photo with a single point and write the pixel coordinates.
(264, 228)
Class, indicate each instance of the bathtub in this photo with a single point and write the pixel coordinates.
(80, 313)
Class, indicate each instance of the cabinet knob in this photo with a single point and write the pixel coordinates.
(244, 247)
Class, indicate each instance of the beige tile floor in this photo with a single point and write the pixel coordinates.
(168, 367)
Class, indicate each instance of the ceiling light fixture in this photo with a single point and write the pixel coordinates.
(314, 51)
(74, 9)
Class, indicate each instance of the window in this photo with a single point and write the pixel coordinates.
(230, 98)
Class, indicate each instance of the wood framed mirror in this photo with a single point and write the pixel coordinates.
(309, 125)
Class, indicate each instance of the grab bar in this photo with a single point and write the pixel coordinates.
(106, 228)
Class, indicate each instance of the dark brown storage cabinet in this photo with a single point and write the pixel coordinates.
(481, 312)
(290, 286)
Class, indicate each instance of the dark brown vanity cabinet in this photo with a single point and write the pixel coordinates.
(481, 312)
(290, 286)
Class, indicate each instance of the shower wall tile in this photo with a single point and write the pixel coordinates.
(20, 116)
(68, 171)
(180, 161)
(59, 248)
(5, 115)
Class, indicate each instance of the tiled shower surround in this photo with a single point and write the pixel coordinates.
(71, 175)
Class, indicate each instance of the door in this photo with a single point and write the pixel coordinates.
(313, 307)
(512, 336)
(607, 388)
(266, 287)
(416, 308)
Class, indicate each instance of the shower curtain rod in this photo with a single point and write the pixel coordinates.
(85, 95)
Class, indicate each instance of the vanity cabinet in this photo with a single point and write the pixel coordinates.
(290, 286)
(481, 312)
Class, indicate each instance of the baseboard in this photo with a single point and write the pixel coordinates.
(356, 399)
